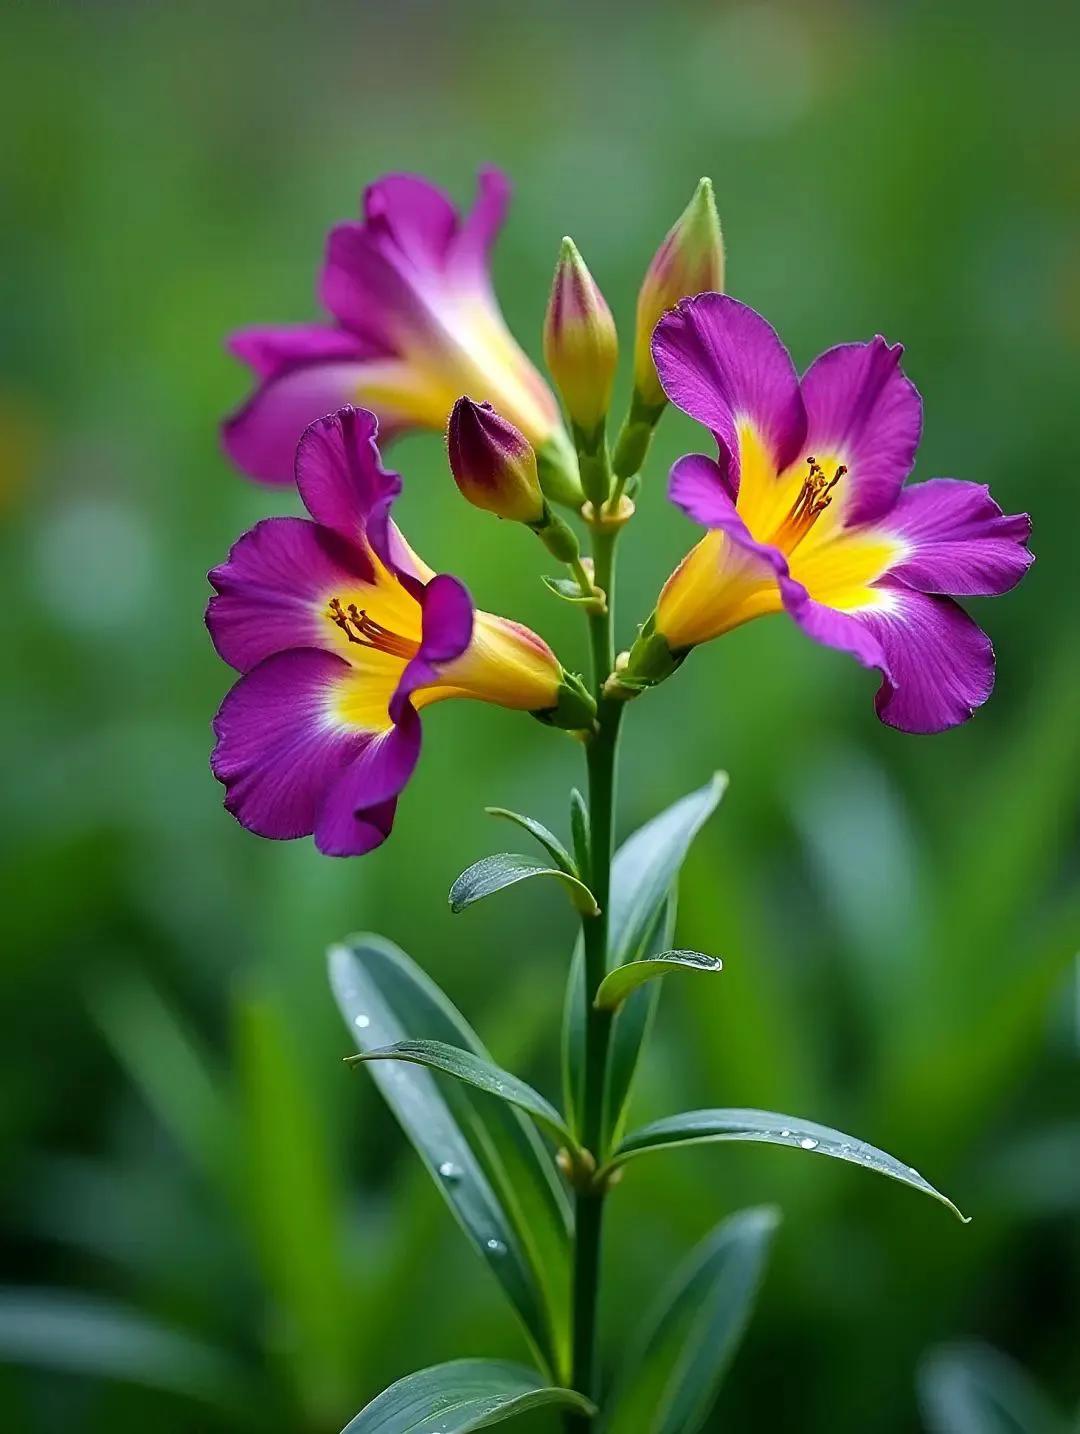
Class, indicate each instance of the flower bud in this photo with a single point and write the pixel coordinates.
(689, 261)
(580, 343)
(493, 463)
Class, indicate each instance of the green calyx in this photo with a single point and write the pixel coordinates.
(557, 467)
(649, 662)
(574, 709)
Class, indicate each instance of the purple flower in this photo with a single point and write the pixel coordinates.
(342, 635)
(415, 324)
(808, 514)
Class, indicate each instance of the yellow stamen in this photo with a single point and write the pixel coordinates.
(814, 497)
(366, 632)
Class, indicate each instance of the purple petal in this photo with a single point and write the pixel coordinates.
(961, 541)
(358, 810)
(724, 364)
(341, 479)
(937, 665)
(472, 248)
(862, 411)
(273, 587)
(699, 486)
(261, 437)
(446, 633)
(274, 350)
(278, 749)
(410, 215)
(370, 287)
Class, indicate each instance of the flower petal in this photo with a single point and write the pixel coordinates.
(937, 665)
(473, 245)
(447, 632)
(271, 587)
(278, 748)
(358, 810)
(276, 349)
(341, 479)
(725, 365)
(261, 437)
(863, 412)
(959, 540)
(411, 217)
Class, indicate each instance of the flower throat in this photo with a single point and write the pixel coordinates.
(815, 495)
(358, 627)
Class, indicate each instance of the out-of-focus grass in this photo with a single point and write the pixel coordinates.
(246, 1239)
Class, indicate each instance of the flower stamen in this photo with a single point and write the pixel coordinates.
(358, 627)
(815, 495)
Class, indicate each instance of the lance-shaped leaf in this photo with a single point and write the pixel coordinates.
(973, 1389)
(65, 1330)
(507, 868)
(569, 589)
(618, 984)
(547, 839)
(487, 1160)
(465, 1066)
(766, 1127)
(672, 1370)
(461, 1395)
(641, 924)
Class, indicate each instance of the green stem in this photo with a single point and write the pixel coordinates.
(601, 758)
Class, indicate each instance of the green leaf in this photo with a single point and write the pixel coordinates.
(579, 829)
(463, 1065)
(973, 1389)
(547, 839)
(569, 590)
(493, 873)
(641, 924)
(488, 1161)
(672, 1371)
(647, 864)
(461, 1395)
(618, 984)
(77, 1334)
(766, 1127)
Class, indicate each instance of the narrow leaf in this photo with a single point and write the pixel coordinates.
(697, 1127)
(488, 1161)
(618, 984)
(973, 1389)
(465, 1066)
(547, 839)
(569, 590)
(641, 924)
(461, 1395)
(494, 873)
(648, 863)
(79, 1334)
(672, 1371)
(579, 828)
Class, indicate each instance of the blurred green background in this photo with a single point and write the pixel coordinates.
(210, 1224)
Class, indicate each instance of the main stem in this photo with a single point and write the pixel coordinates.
(601, 756)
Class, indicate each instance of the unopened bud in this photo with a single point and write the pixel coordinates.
(580, 343)
(493, 463)
(689, 261)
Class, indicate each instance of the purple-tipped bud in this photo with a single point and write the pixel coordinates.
(580, 343)
(689, 261)
(493, 463)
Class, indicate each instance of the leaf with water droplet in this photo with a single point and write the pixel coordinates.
(620, 983)
(495, 873)
(697, 1127)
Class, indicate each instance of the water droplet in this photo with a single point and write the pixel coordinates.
(808, 1143)
(786, 1134)
(362, 1022)
(496, 1247)
(449, 1171)
(913, 1171)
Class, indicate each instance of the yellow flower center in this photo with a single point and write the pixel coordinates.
(814, 497)
(358, 627)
